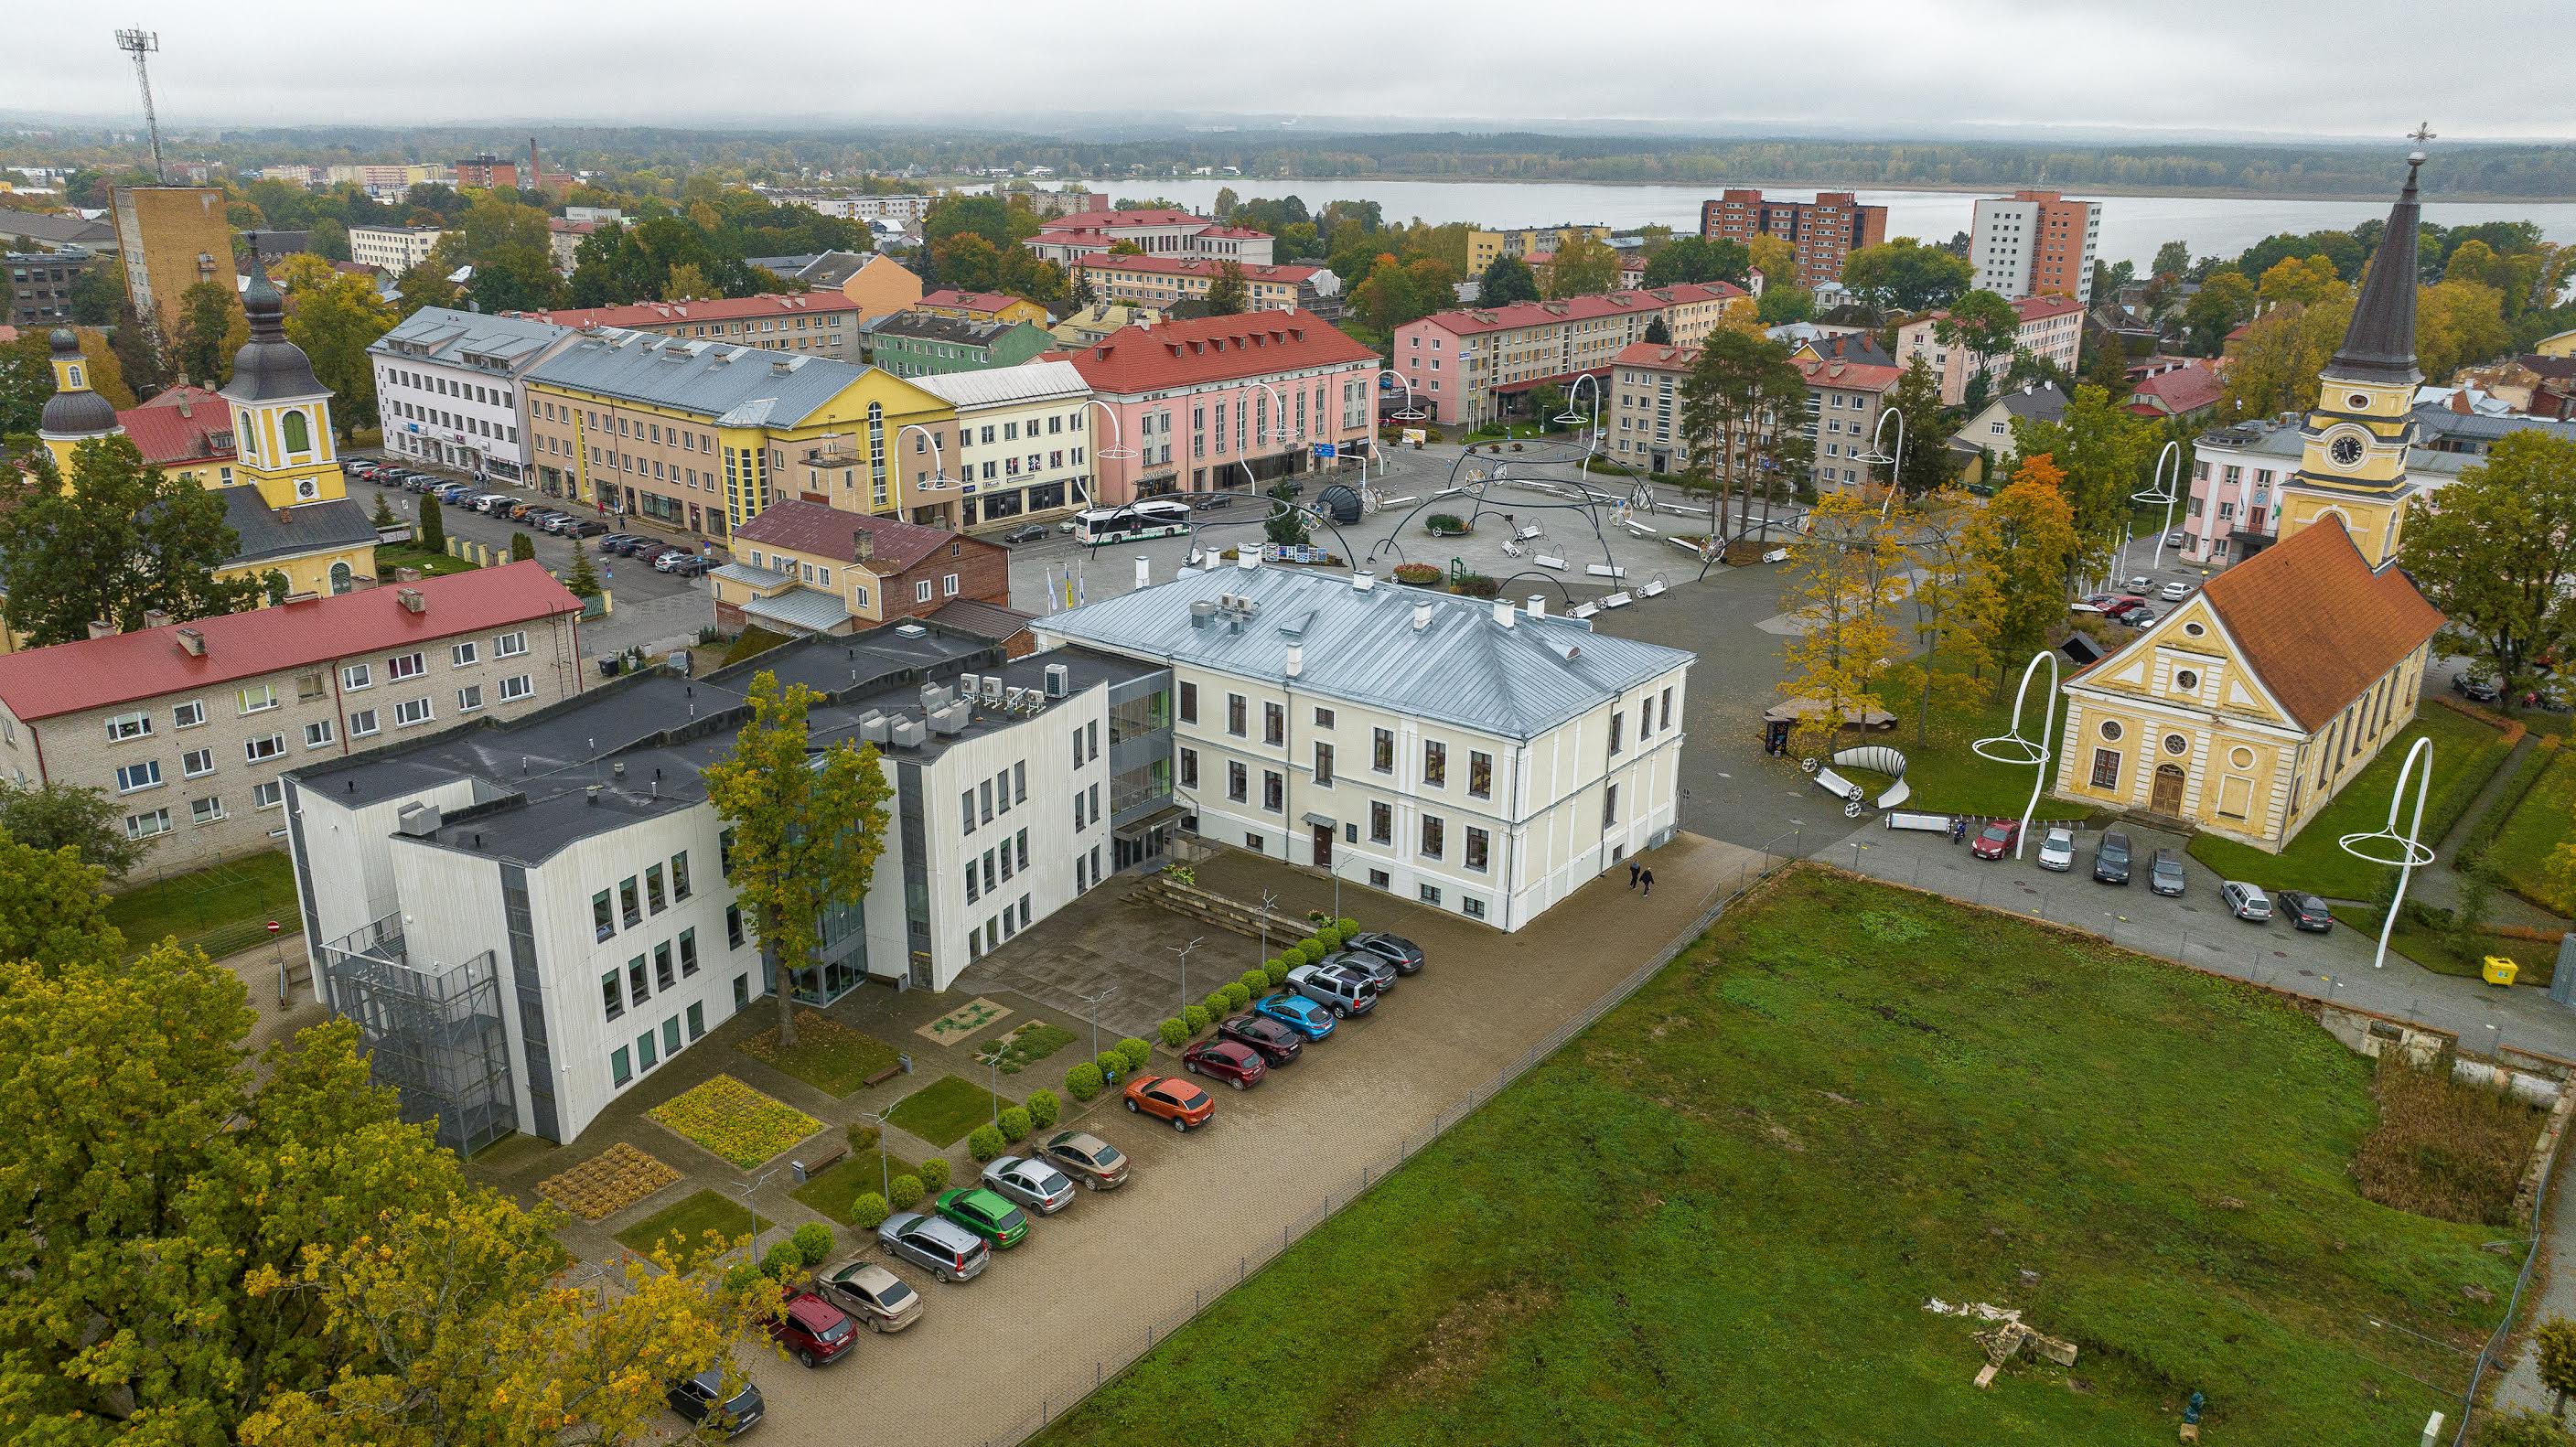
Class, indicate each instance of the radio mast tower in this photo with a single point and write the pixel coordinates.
(139, 43)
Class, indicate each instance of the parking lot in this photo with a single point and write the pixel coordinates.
(1092, 1286)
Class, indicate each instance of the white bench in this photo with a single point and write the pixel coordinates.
(1654, 589)
(1617, 600)
(1603, 570)
(1544, 561)
(1640, 529)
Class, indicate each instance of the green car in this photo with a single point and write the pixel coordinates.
(986, 1214)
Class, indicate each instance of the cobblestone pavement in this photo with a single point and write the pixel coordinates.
(1092, 1286)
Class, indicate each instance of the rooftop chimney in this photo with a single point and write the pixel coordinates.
(101, 628)
(192, 642)
(1248, 558)
(1363, 581)
(863, 545)
(1144, 572)
(1421, 616)
(156, 618)
(1538, 605)
(412, 601)
(1296, 659)
(1503, 612)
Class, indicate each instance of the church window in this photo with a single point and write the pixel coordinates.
(2187, 681)
(2111, 730)
(2176, 743)
(299, 435)
(2106, 768)
(2241, 757)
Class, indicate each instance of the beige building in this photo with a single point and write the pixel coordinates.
(1023, 441)
(1642, 412)
(172, 237)
(1098, 322)
(824, 322)
(1484, 247)
(188, 727)
(395, 248)
(1476, 365)
(880, 287)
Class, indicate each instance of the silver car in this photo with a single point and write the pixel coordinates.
(2057, 850)
(1369, 963)
(871, 1294)
(1031, 1183)
(941, 1247)
(2246, 901)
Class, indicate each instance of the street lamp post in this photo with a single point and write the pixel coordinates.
(1895, 461)
(2013, 749)
(745, 1189)
(1094, 1000)
(1183, 951)
(2164, 490)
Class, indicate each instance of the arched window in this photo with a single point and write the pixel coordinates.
(72, 376)
(342, 579)
(299, 434)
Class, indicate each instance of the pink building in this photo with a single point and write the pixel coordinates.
(2051, 327)
(1476, 364)
(1223, 402)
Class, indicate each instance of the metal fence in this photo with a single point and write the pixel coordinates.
(1117, 1353)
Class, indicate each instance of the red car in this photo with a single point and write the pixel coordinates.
(1236, 1064)
(813, 1330)
(2122, 604)
(1997, 839)
(1168, 1097)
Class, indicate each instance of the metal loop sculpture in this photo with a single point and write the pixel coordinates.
(2405, 852)
(2165, 490)
(1114, 450)
(2014, 749)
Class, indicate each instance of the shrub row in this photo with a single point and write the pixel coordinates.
(788, 1260)
(990, 1140)
(1128, 1056)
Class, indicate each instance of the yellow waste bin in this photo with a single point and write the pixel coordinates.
(2499, 970)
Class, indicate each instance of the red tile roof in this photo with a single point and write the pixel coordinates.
(827, 532)
(182, 425)
(2176, 393)
(1659, 356)
(1097, 220)
(97, 672)
(1212, 349)
(978, 301)
(1847, 376)
(720, 309)
(2316, 625)
(1197, 266)
(2040, 308)
(1632, 302)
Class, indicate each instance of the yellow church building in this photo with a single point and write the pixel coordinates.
(284, 494)
(2256, 700)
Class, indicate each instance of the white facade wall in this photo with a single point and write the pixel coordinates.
(395, 248)
(453, 415)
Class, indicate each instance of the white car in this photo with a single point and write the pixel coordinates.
(2174, 592)
(2141, 583)
(2057, 850)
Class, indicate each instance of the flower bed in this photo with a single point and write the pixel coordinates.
(608, 1183)
(1446, 525)
(734, 1121)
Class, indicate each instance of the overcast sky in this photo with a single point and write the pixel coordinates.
(2361, 68)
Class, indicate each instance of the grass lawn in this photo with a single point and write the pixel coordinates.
(1025, 1046)
(2538, 825)
(943, 1111)
(1718, 1215)
(222, 908)
(2427, 947)
(832, 1191)
(829, 1056)
(390, 557)
(688, 1218)
(1948, 777)
(2466, 753)
(754, 640)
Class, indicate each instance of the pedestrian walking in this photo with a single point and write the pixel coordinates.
(1649, 878)
(1633, 870)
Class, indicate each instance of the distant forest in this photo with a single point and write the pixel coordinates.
(2502, 172)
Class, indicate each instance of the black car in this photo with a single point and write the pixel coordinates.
(583, 528)
(2305, 910)
(2474, 687)
(1211, 501)
(1396, 950)
(2165, 873)
(2111, 858)
(617, 542)
(701, 1397)
(1026, 533)
(1275, 1042)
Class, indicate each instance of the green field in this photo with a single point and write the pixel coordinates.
(222, 909)
(943, 1111)
(2536, 961)
(1947, 776)
(2466, 753)
(1719, 1214)
(689, 1218)
(391, 556)
(2545, 819)
(832, 1189)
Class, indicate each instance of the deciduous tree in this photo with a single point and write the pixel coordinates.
(1585, 265)
(1985, 324)
(212, 328)
(1692, 258)
(1844, 574)
(1772, 256)
(2273, 367)
(2223, 302)
(1928, 464)
(53, 912)
(2496, 552)
(335, 320)
(2305, 280)
(2458, 324)
(808, 826)
(1229, 294)
(1906, 274)
(54, 817)
(2100, 452)
(122, 540)
(2021, 549)
(2172, 259)
(1506, 280)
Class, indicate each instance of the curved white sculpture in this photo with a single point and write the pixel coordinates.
(2410, 851)
(2013, 748)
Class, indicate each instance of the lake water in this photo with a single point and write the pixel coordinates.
(2132, 226)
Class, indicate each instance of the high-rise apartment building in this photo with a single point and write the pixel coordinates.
(2036, 243)
(1822, 232)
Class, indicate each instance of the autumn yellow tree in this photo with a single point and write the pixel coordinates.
(2273, 367)
(1584, 266)
(2303, 280)
(1844, 575)
(1775, 258)
(2019, 553)
(2458, 324)
(1950, 654)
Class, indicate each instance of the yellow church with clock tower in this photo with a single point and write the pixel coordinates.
(2259, 697)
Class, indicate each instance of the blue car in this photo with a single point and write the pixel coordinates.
(1297, 1013)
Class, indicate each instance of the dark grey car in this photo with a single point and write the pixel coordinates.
(1404, 954)
(2111, 858)
(2164, 873)
(1377, 969)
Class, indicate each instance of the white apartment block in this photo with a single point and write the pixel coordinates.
(1473, 756)
(571, 866)
(2035, 243)
(1024, 439)
(395, 248)
(447, 387)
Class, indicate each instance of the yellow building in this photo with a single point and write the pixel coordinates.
(1485, 247)
(2256, 700)
(2561, 345)
(1101, 320)
(981, 306)
(694, 438)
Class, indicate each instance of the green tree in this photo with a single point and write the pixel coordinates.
(687, 283)
(2556, 1343)
(2494, 557)
(2021, 548)
(2273, 367)
(584, 582)
(1229, 294)
(1225, 203)
(330, 240)
(56, 817)
(808, 827)
(1385, 300)
(2172, 259)
(2101, 453)
(967, 261)
(122, 540)
(426, 285)
(1691, 258)
(1657, 334)
(212, 328)
(1287, 522)
(52, 912)
(2306, 280)
(433, 526)
(383, 517)
(1585, 265)
(98, 293)
(1906, 274)
(1506, 280)
(335, 322)
(1741, 399)
(522, 547)
(1988, 327)
(2223, 302)
(1929, 464)
(1784, 303)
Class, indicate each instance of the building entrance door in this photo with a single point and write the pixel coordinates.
(2168, 793)
(1323, 846)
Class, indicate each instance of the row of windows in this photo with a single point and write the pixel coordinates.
(988, 873)
(207, 810)
(995, 796)
(650, 1051)
(320, 733)
(638, 894)
(673, 960)
(354, 677)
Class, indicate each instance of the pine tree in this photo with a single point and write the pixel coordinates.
(433, 524)
(522, 547)
(584, 581)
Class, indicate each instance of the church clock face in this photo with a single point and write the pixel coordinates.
(2345, 451)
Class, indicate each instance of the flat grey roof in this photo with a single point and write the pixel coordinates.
(445, 334)
(712, 379)
(643, 739)
(1463, 666)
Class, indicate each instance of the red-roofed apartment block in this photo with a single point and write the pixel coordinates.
(188, 726)
(1075, 235)
(1223, 402)
(1476, 365)
(2051, 327)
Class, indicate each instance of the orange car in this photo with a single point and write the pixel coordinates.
(1171, 1098)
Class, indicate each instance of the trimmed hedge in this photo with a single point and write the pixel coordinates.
(934, 1175)
(907, 1192)
(1274, 973)
(1196, 1018)
(1083, 1081)
(984, 1142)
(782, 1262)
(869, 1211)
(1254, 982)
(1043, 1109)
(1173, 1032)
(1239, 994)
(813, 1242)
(1132, 1054)
(1016, 1123)
(1349, 927)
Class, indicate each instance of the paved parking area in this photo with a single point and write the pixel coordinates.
(1090, 1287)
(2197, 930)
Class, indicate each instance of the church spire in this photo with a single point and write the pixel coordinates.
(2379, 345)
